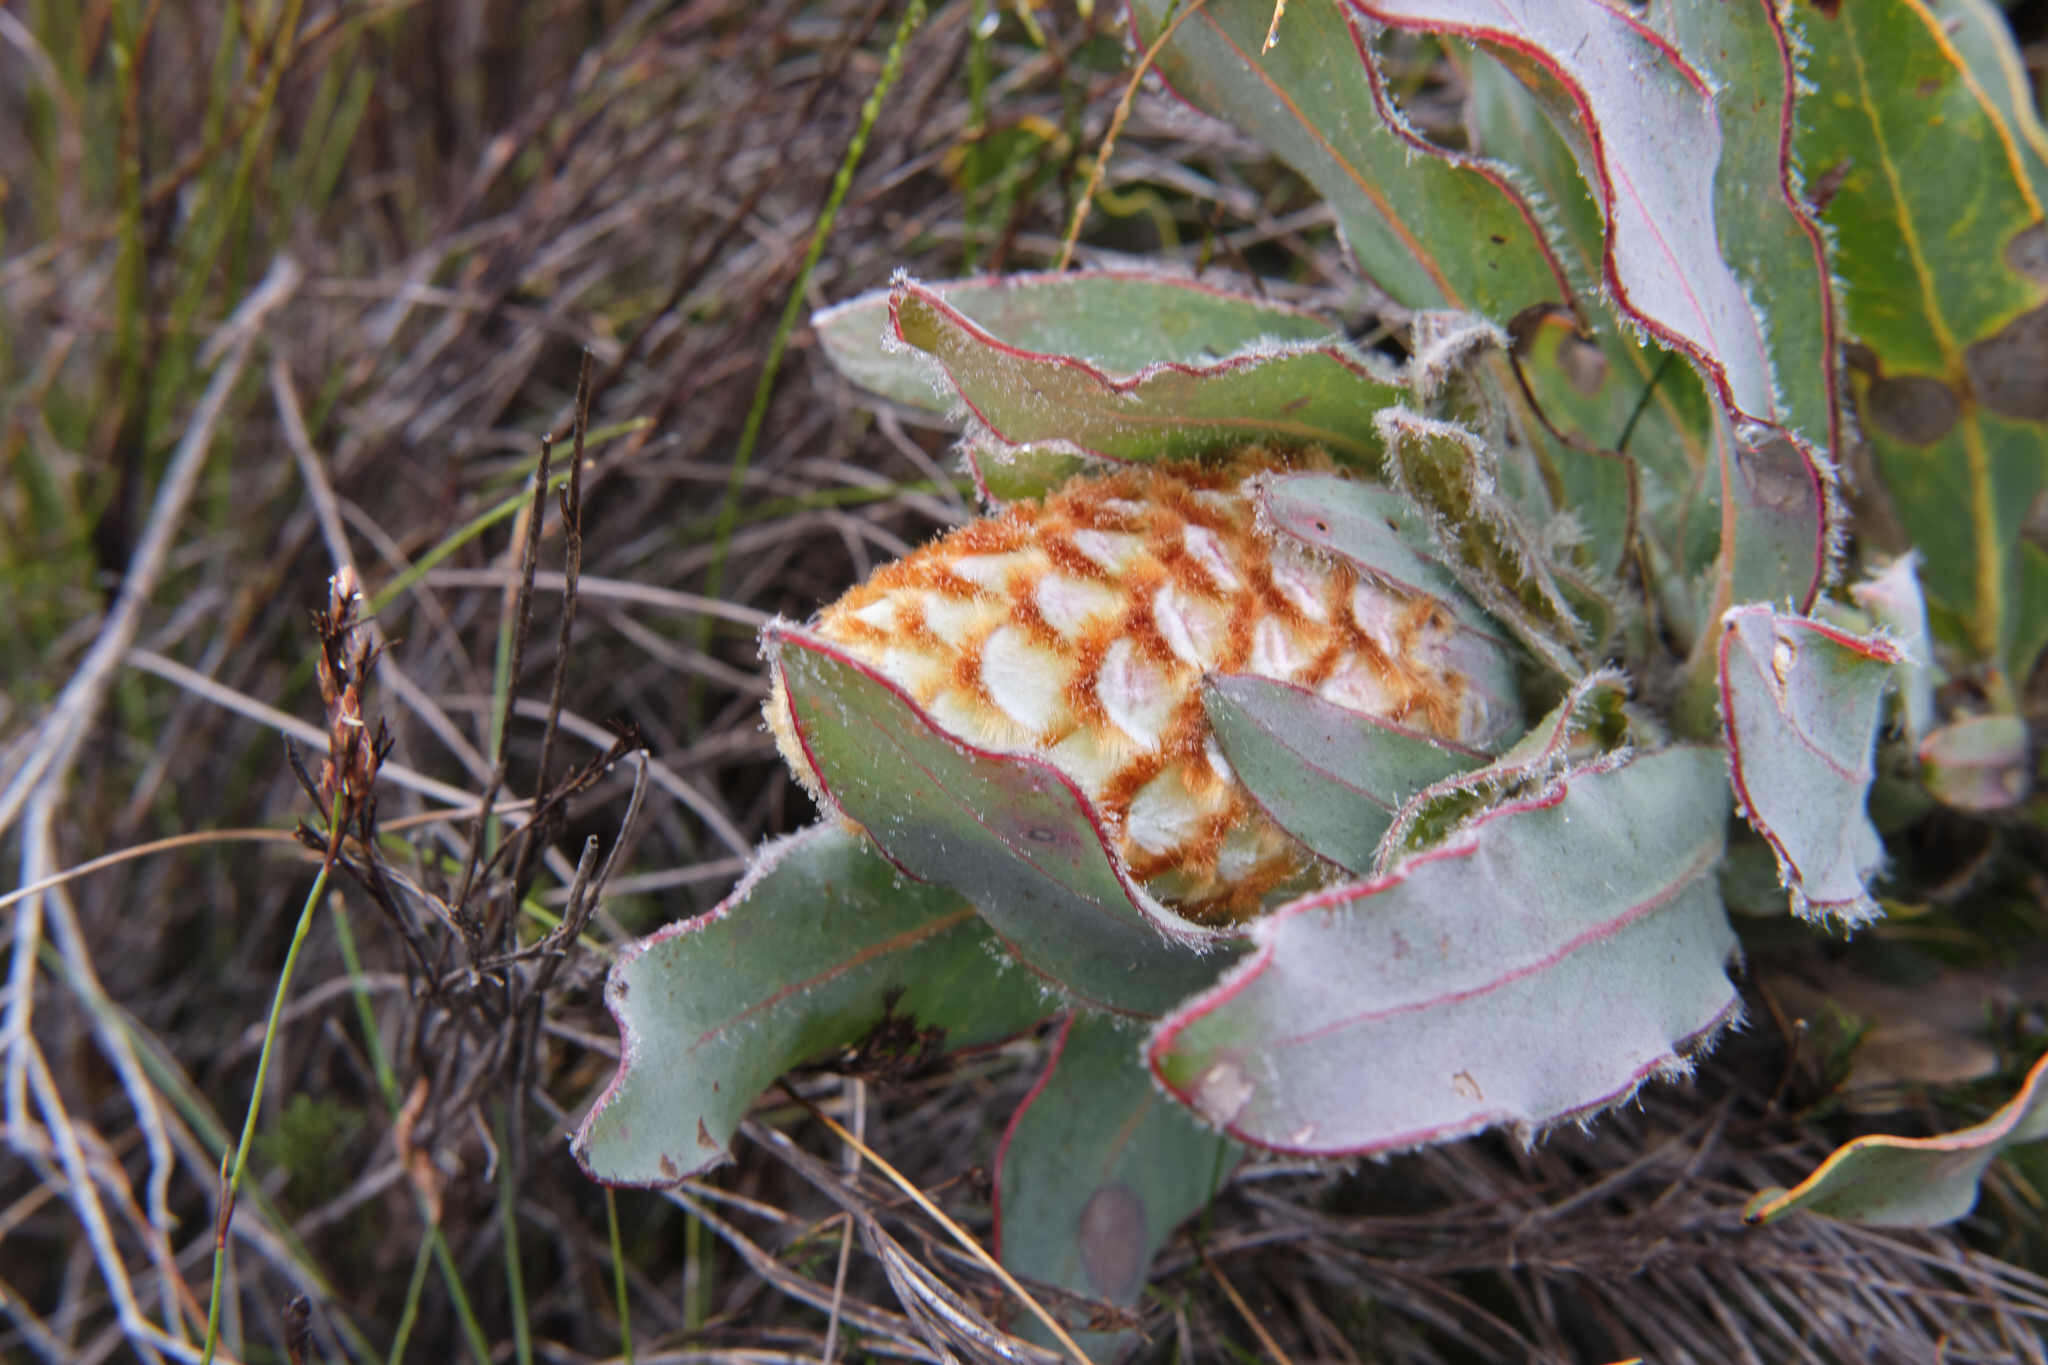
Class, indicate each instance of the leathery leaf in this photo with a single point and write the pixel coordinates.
(1388, 541)
(1686, 249)
(1010, 833)
(1434, 233)
(1926, 152)
(1912, 1182)
(1979, 763)
(1119, 321)
(822, 946)
(1557, 954)
(1322, 392)
(1330, 777)
(1096, 1171)
(1800, 706)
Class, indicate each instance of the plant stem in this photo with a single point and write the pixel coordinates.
(241, 1161)
(757, 413)
(611, 1218)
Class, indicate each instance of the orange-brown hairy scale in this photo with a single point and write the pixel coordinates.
(1078, 630)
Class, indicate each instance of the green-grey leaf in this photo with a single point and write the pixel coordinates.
(1589, 724)
(1302, 393)
(819, 946)
(1596, 384)
(1979, 763)
(1331, 777)
(1912, 1182)
(1117, 321)
(1433, 233)
(1800, 705)
(1653, 150)
(1005, 473)
(1009, 832)
(1559, 953)
(1374, 527)
(1767, 235)
(1097, 1170)
(1638, 110)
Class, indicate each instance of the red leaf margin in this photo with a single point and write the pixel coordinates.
(904, 287)
(1462, 845)
(1819, 468)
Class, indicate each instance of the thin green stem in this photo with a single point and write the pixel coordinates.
(1635, 414)
(750, 435)
(611, 1218)
(696, 1276)
(217, 231)
(241, 1159)
(452, 1277)
(168, 1077)
(413, 1289)
(508, 1217)
(501, 700)
(131, 261)
(366, 1016)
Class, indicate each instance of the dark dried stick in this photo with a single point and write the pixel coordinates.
(572, 566)
(522, 619)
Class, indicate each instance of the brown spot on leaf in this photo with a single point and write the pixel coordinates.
(2027, 251)
(1776, 473)
(1915, 408)
(1111, 1231)
(1822, 189)
(669, 1169)
(1583, 363)
(704, 1138)
(2009, 370)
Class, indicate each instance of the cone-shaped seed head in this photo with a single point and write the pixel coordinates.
(1078, 631)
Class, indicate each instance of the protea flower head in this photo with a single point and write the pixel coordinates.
(1078, 630)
